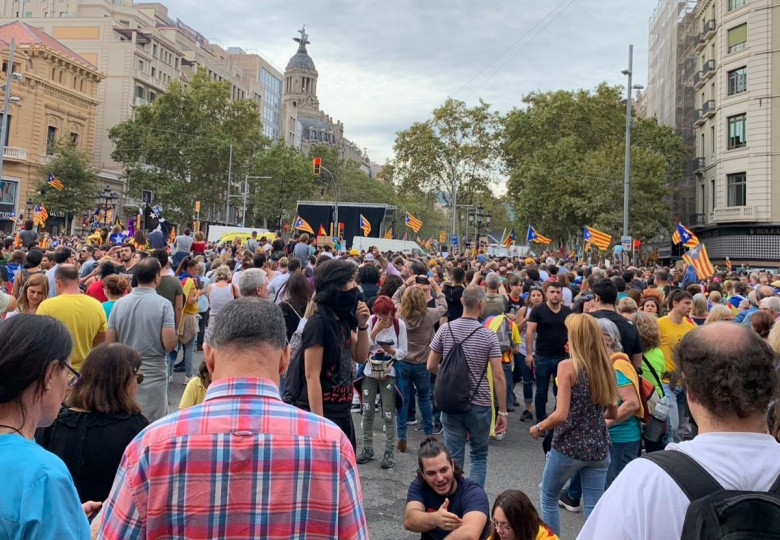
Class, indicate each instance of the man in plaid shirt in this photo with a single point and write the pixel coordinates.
(242, 464)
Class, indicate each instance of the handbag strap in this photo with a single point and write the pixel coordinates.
(654, 372)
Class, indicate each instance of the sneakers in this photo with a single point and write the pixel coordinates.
(515, 402)
(437, 428)
(387, 460)
(178, 368)
(564, 501)
(365, 456)
(526, 416)
(412, 422)
(356, 407)
(401, 445)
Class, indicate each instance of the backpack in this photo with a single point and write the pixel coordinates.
(452, 392)
(495, 305)
(504, 333)
(648, 392)
(717, 513)
(295, 378)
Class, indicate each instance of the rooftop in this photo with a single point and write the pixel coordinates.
(24, 34)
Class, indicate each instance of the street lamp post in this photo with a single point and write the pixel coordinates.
(30, 204)
(246, 191)
(107, 197)
(335, 201)
(478, 217)
(8, 99)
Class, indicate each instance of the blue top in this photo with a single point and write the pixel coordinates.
(628, 430)
(39, 499)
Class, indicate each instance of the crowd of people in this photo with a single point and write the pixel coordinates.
(645, 368)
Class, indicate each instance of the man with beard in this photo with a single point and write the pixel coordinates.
(441, 500)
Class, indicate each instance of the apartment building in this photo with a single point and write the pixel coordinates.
(56, 97)
(737, 52)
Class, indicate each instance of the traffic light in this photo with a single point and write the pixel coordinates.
(316, 165)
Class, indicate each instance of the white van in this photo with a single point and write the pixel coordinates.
(362, 243)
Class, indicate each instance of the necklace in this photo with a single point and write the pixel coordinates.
(13, 428)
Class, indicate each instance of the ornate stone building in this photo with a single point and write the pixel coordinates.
(313, 126)
(56, 97)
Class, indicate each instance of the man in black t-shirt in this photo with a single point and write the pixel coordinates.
(605, 297)
(546, 338)
(441, 500)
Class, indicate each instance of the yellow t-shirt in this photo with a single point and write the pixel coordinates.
(188, 286)
(82, 315)
(671, 334)
(194, 393)
(544, 534)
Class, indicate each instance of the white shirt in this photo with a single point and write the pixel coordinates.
(275, 285)
(400, 343)
(644, 503)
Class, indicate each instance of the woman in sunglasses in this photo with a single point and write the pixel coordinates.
(99, 418)
(39, 499)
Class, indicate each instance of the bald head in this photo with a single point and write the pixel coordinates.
(764, 291)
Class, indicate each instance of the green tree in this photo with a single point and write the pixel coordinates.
(564, 153)
(80, 182)
(179, 145)
(456, 149)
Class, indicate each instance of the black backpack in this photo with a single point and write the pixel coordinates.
(452, 393)
(717, 513)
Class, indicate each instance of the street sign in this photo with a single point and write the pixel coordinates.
(454, 240)
(626, 242)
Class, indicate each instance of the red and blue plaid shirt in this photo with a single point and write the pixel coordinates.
(242, 464)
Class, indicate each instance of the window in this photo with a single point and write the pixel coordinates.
(737, 80)
(51, 136)
(139, 92)
(737, 189)
(737, 131)
(712, 195)
(712, 140)
(737, 38)
(736, 4)
(74, 138)
(152, 96)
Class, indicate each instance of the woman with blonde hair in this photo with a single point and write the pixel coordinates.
(34, 291)
(411, 371)
(719, 312)
(587, 397)
(699, 311)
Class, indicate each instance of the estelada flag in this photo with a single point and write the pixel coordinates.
(682, 234)
(597, 238)
(700, 260)
(301, 225)
(413, 223)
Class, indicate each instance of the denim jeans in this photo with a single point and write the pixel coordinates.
(620, 455)
(475, 423)
(414, 374)
(546, 369)
(510, 397)
(189, 352)
(558, 469)
(522, 373)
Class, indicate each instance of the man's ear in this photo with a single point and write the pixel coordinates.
(285, 360)
(209, 356)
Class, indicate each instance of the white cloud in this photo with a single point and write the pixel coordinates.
(384, 65)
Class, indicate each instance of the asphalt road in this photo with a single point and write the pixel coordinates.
(514, 463)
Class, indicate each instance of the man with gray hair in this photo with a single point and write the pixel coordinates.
(495, 303)
(480, 347)
(270, 464)
(771, 305)
(760, 293)
(253, 282)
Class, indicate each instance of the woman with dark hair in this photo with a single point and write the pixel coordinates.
(762, 323)
(39, 498)
(98, 419)
(95, 289)
(187, 272)
(298, 296)
(31, 266)
(651, 305)
(139, 240)
(390, 285)
(368, 278)
(515, 518)
(333, 338)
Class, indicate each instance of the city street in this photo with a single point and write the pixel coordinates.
(514, 463)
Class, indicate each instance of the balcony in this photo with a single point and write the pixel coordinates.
(698, 165)
(697, 219)
(699, 42)
(14, 154)
(708, 109)
(698, 118)
(733, 214)
(708, 70)
(138, 101)
(698, 79)
(708, 31)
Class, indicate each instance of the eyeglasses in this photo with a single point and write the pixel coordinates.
(500, 525)
(139, 377)
(73, 376)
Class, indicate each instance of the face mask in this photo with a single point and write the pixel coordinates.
(346, 303)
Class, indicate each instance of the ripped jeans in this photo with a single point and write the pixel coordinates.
(385, 388)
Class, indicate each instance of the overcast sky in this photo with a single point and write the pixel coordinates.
(384, 65)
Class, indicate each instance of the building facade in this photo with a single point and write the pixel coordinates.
(737, 88)
(56, 97)
(315, 127)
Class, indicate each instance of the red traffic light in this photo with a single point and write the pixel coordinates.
(316, 165)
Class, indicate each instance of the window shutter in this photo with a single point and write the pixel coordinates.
(737, 35)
